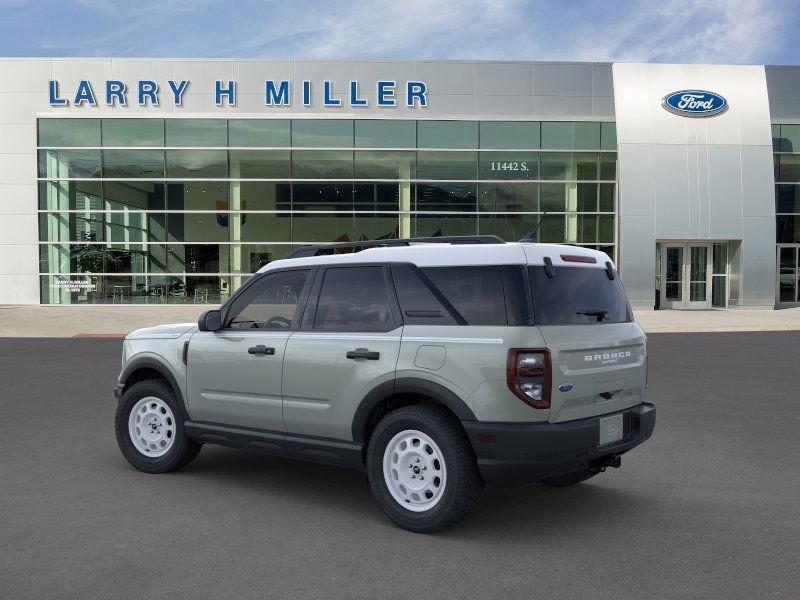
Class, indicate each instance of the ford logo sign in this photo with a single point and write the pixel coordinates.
(565, 387)
(695, 103)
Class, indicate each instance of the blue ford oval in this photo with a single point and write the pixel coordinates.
(695, 103)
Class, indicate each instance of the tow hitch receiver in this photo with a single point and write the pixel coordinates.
(601, 464)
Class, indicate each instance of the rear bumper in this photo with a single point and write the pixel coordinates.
(511, 454)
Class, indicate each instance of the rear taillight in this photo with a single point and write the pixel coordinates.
(528, 376)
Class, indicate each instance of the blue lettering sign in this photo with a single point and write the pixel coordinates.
(386, 93)
(354, 99)
(277, 96)
(279, 93)
(228, 92)
(116, 90)
(327, 95)
(55, 99)
(177, 90)
(84, 93)
(148, 90)
(416, 93)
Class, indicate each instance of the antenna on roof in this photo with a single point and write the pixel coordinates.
(531, 236)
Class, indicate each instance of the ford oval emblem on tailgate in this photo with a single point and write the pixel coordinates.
(565, 387)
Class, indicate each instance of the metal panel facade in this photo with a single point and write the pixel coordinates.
(679, 178)
(683, 178)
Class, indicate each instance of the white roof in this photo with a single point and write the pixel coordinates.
(444, 255)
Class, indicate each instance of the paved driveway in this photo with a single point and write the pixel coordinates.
(709, 508)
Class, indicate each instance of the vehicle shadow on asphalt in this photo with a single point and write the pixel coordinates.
(515, 512)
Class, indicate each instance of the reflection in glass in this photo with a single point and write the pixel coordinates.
(501, 135)
(70, 195)
(133, 132)
(509, 227)
(444, 224)
(508, 197)
(265, 227)
(385, 164)
(197, 164)
(260, 164)
(447, 134)
(322, 164)
(379, 196)
(322, 133)
(176, 232)
(317, 227)
(259, 133)
(788, 274)
(450, 166)
(377, 226)
(322, 196)
(385, 133)
(674, 274)
(446, 197)
(133, 164)
(198, 195)
(63, 164)
(197, 132)
(69, 132)
(787, 198)
(262, 195)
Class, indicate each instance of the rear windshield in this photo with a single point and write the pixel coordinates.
(578, 296)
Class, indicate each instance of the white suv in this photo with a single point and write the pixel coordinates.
(437, 366)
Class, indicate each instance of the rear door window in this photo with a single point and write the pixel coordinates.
(578, 296)
(475, 292)
(475, 295)
(354, 299)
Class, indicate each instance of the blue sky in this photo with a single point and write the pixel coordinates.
(700, 31)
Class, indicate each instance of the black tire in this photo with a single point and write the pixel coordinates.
(463, 483)
(568, 479)
(183, 449)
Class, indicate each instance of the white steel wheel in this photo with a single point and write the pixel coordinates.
(414, 470)
(151, 426)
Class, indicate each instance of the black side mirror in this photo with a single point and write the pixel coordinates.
(211, 320)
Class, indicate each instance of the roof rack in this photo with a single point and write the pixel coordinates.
(342, 247)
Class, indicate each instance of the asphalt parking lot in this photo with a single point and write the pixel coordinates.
(709, 508)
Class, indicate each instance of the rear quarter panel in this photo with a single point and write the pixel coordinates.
(473, 365)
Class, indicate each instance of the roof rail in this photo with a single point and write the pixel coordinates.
(351, 247)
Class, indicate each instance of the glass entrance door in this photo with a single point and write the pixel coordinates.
(686, 275)
(673, 276)
(788, 274)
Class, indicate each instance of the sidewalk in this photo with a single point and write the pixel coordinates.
(116, 321)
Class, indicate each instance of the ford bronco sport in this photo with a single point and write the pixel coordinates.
(438, 366)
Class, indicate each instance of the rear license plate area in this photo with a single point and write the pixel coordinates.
(611, 429)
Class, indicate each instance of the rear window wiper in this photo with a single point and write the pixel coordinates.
(600, 313)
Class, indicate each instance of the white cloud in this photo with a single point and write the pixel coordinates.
(713, 31)
(675, 31)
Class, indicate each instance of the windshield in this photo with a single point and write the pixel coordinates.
(578, 296)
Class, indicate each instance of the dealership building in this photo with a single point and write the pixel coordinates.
(132, 181)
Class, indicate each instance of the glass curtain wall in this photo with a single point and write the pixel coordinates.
(786, 146)
(184, 210)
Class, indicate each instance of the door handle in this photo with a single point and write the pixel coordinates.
(261, 350)
(363, 353)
